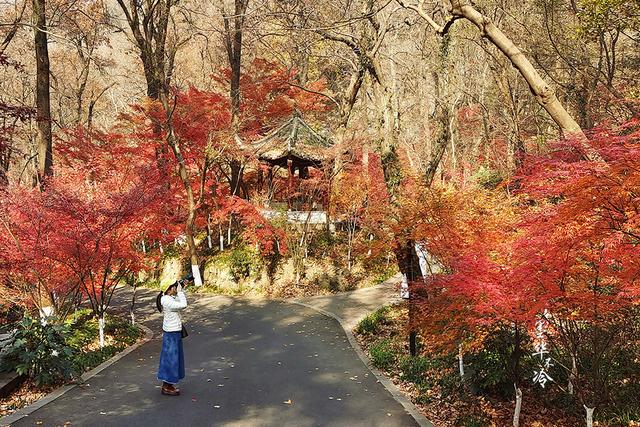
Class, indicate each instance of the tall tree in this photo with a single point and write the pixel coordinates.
(544, 93)
(233, 29)
(43, 95)
(149, 23)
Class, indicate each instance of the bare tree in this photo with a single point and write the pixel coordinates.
(544, 93)
(233, 31)
(149, 23)
(43, 94)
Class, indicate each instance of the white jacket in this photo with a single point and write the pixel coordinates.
(171, 307)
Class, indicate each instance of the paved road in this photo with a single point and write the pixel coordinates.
(249, 363)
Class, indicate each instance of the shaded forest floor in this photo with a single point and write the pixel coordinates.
(82, 337)
(434, 384)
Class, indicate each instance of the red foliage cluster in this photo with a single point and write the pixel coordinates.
(569, 243)
(114, 190)
(78, 238)
(269, 95)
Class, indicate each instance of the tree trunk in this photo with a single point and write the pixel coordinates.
(589, 416)
(43, 97)
(233, 45)
(572, 375)
(101, 324)
(516, 412)
(461, 361)
(209, 240)
(133, 304)
(544, 93)
(186, 182)
(236, 177)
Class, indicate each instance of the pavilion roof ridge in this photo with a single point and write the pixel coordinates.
(292, 131)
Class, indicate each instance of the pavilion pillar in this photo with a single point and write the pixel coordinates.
(270, 184)
(290, 184)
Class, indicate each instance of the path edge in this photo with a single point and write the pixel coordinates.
(386, 382)
(60, 391)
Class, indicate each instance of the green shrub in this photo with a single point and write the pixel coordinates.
(382, 354)
(369, 325)
(125, 333)
(82, 329)
(90, 359)
(414, 368)
(39, 351)
(490, 371)
(487, 178)
(242, 261)
(472, 421)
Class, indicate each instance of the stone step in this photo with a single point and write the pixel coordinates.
(9, 381)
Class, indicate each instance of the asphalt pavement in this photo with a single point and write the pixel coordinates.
(249, 362)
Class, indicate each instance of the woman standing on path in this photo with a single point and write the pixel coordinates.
(171, 369)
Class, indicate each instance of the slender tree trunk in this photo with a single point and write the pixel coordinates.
(515, 366)
(233, 25)
(43, 96)
(573, 374)
(133, 303)
(101, 324)
(461, 361)
(442, 135)
(516, 412)
(209, 240)
(186, 182)
(589, 416)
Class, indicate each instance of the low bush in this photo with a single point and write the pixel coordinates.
(243, 260)
(39, 351)
(414, 369)
(123, 331)
(490, 370)
(370, 324)
(382, 354)
(88, 360)
(54, 353)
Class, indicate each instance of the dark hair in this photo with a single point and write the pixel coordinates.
(159, 297)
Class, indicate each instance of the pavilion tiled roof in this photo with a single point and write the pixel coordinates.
(295, 140)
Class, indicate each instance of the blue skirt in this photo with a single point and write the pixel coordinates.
(171, 369)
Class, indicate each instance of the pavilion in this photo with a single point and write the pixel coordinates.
(295, 147)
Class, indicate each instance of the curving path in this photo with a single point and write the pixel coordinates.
(249, 363)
